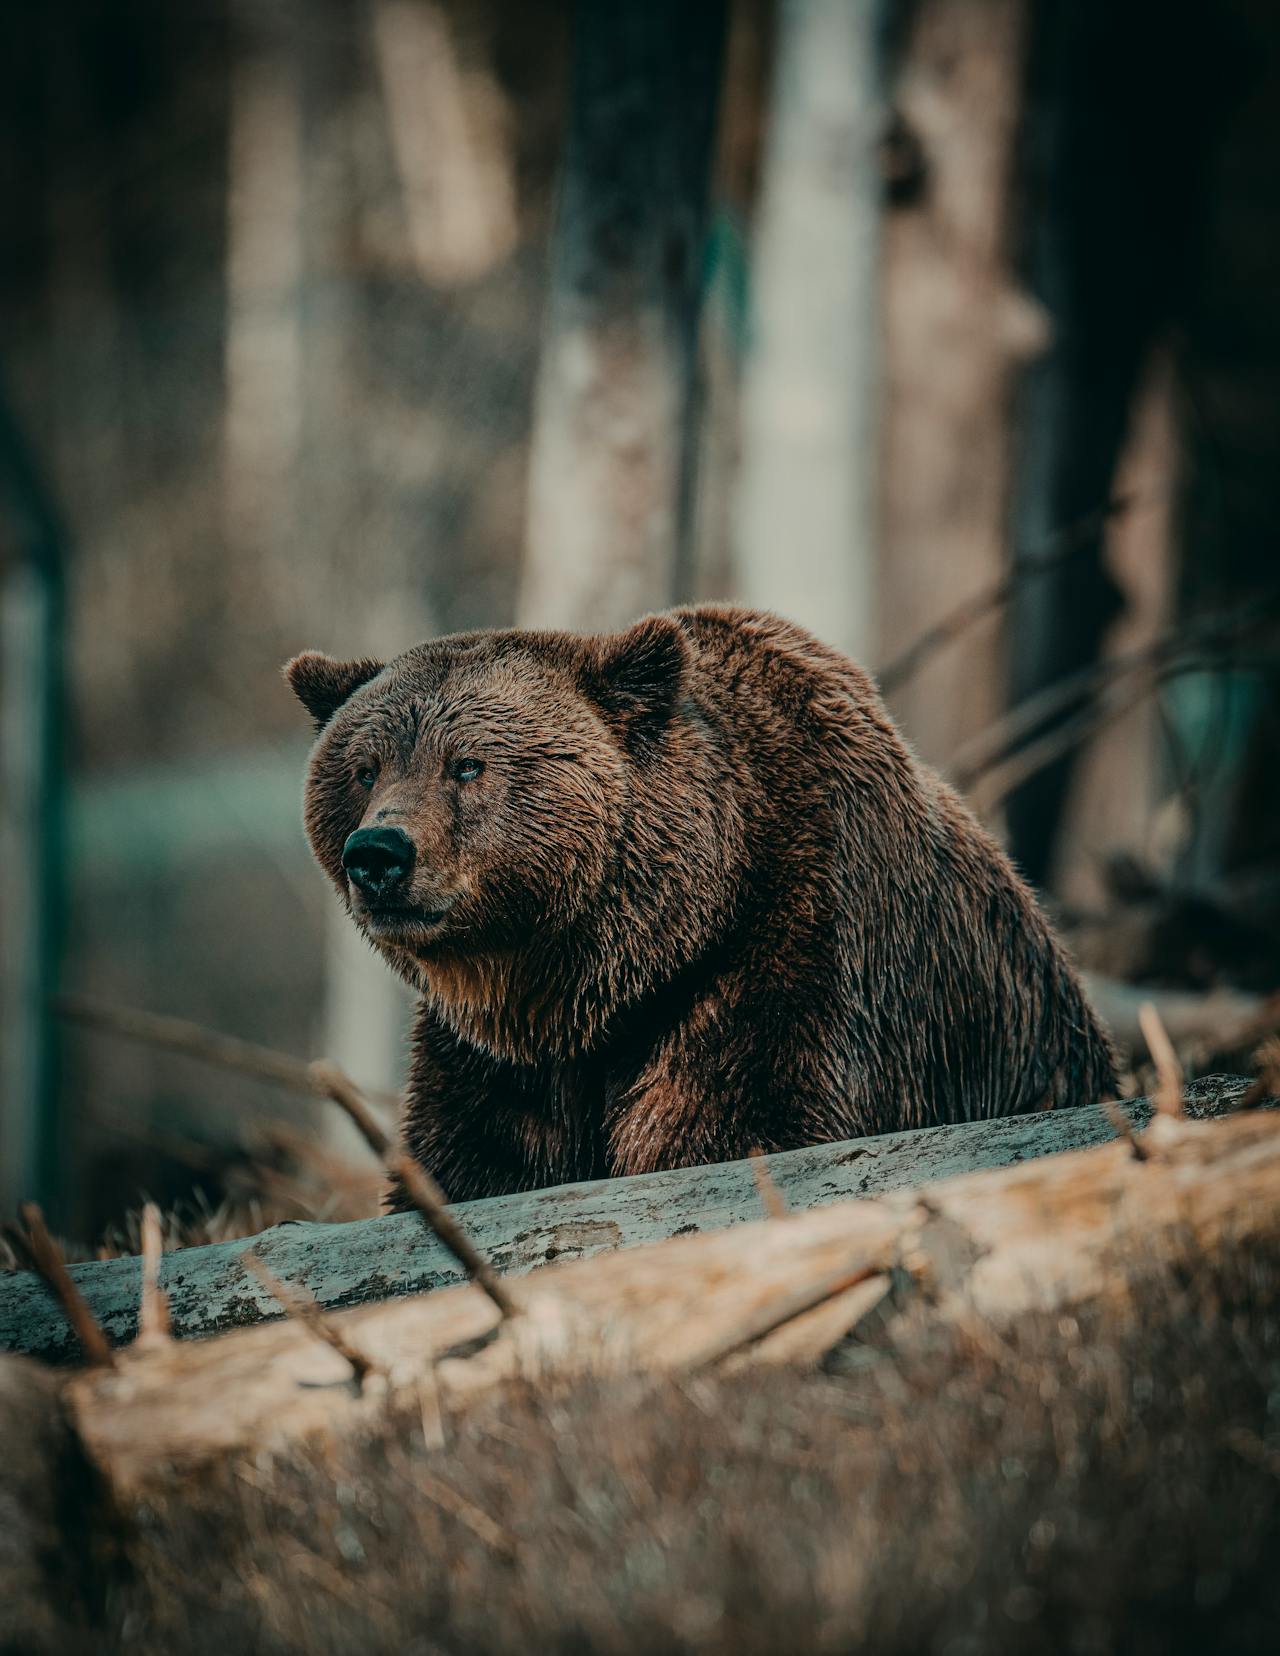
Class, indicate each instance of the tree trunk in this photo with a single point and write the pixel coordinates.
(805, 513)
(609, 472)
(1122, 105)
(263, 363)
(956, 329)
(33, 1158)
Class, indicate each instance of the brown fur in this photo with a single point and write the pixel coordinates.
(704, 898)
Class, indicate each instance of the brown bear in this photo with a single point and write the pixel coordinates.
(673, 894)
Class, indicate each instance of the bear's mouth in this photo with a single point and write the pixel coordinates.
(403, 923)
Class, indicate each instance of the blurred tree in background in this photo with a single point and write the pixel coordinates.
(945, 325)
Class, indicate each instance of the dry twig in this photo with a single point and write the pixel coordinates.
(319, 1077)
(1172, 651)
(333, 1083)
(297, 1303)
(427, 1196)
(207, 1046)
(990, 788)
(1060, 548)
(1124, 1128)
(47, 1260)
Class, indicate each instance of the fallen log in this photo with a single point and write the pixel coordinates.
(341, 1265)
(980, 1249)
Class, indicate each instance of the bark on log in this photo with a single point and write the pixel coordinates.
(982, 1249)
(375, 1259)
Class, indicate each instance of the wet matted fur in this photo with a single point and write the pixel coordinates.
(678, 893)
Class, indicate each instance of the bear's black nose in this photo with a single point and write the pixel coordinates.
(378, 860)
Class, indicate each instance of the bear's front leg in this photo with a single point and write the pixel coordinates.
(482, 1126)
(746, 1070)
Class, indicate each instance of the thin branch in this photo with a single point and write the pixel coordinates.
(422, 1190)
(207, 1046)
(47, 1260)
(320, 1078)
(1060, 548)
(997, 784)
(1006, 734)
(1124, 1129)
(427, 1196)
(299, 1305)
(987, 790)
(328, 1080)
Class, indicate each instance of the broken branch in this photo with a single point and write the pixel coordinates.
(48, 1261)
(298, 1304)
(427, 1196)
(1060, 548)
(206, 1046)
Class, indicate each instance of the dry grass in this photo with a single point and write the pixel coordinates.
(283, 1176)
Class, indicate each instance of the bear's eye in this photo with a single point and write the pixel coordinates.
(367, 775)
(467, 770)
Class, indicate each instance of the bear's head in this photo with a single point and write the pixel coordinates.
(473, 793)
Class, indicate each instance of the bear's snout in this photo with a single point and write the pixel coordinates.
(379, 861)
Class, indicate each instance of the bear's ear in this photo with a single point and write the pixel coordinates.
(637, 676)
(322, 684)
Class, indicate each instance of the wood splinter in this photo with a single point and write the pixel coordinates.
(776, 1315)
(153, 1309)
(1168, 1098)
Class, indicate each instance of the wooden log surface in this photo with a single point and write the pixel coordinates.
(978, 1250)
(374, 1259)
